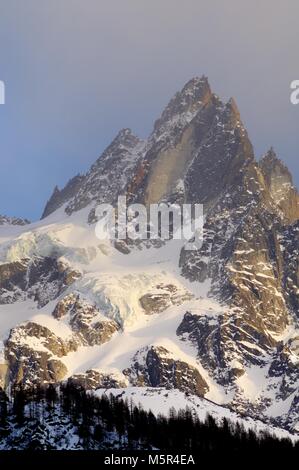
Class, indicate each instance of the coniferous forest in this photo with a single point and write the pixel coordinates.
(68, 418)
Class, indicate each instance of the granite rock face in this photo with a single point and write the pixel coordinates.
(93, 380)
(156, 367)
(163, 297)
(42, 279)
(246, 254)
(60, 197)
(92, 327)
(34, 353)
(280, 183)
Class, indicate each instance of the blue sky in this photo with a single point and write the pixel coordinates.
(76, 71)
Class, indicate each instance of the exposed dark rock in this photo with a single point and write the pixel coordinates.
(226, 344)
(32, 352)
(42, 279)
(165, 296)
(97, 186)
(91, 326)
(280, 183)
(93, 379)
(61, 196)
(159, 369)
(289, 242)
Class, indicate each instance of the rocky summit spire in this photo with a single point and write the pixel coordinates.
(280, 184)
(232, 113)
(61, 196)
(125, 138)
(185, 103)
(194, 144)
(271, 164)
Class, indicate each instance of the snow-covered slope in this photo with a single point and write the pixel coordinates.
(161, 401)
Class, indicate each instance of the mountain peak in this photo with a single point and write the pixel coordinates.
(125, 132)
(232, 105)
(232, 112)
(270, 154)
(185, 104)
(280, 183)
(196, 86)
(125, 137)
(60, 196)
(270, 163)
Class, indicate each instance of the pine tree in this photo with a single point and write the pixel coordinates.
(19, 401)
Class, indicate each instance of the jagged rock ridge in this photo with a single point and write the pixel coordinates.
(5, 220)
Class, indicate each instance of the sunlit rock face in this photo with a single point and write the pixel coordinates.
(156, 367)
(41, 278)
(33, 354)
(89, 324)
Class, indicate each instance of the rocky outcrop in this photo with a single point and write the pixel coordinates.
(291, 421)
(4, 371)
(156, 367)
(289, 243)
(42, 279)
(163, 297)
(223, 150)
(286, 366)
(13, 281)
(33, 354)
(5, 220)
(93, 380)
(92, 327)
(61, 196)
(65, 305)
(226, 344)
(280, 183)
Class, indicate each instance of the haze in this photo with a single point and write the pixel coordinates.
(77, 71)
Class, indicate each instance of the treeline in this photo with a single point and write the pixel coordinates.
(67, 417)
